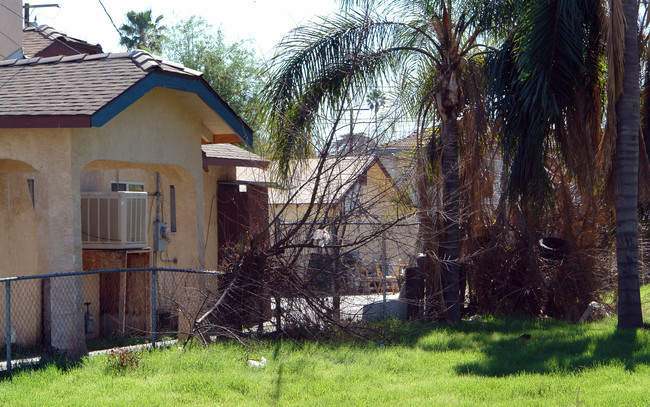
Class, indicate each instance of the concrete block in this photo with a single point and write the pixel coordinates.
(379, 310)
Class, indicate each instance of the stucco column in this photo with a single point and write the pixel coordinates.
(63, 296)
(195, 285)
(200, 223)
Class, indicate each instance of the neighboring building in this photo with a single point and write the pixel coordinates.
(76, 128)
(45, 41)
(11, 24)
(359, 191)
(31, 41)
(242, 205)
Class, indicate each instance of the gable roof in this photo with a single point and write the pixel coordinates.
(338, 176)
(400, 145)
(45, 41)
(89, 90)
(228, 155)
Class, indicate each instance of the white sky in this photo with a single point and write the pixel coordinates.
(264, 22)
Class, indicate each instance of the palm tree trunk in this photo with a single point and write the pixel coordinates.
(450, 247)
(428, 236)
(626, 183)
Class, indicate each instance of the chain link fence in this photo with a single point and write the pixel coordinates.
(98, 309)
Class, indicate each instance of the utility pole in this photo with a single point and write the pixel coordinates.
(28, 6)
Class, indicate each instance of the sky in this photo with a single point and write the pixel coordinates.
(263, 22)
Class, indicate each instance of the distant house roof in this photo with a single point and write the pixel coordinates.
(45, 41)
(400, 145)
(89, 90)
(337, 177)
(228, 155)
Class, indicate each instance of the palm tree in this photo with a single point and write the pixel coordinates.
(376, 100)
(140, 32)
(430, 45)
(547, 90)
(626, 170)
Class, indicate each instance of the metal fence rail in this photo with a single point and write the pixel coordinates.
(136, 302)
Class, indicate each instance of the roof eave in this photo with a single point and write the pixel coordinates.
(177, 82)
(234, 162)
(44, 121)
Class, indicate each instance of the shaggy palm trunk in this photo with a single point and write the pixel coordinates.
(450, 247)
(625, 167)
(428, 237)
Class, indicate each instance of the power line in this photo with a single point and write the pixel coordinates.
(9, 38)
(6, 36)
(22, 18)
(27, 6)
(110, 18)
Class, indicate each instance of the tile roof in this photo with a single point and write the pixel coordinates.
(230, 155)
(43, 39)
(88, 90)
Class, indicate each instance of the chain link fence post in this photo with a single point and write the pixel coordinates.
(154, 278)
(8, 323)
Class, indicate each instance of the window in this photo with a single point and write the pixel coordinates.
(30, 185)
(126, 186)
(172, 209)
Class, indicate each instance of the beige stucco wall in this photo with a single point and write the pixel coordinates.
(378, 198)
(181, 245)
(156, 134)
(47, 155)
(401, 238)
(12, 27)
(18, 224)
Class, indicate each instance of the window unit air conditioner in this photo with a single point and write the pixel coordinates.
(113, 220)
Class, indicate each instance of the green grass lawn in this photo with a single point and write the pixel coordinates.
(481, 363)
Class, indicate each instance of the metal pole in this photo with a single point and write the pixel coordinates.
(154, 275)
(8, 321)
(383, 267)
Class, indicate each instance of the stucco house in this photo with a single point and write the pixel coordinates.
(76, 128)
(360, 192)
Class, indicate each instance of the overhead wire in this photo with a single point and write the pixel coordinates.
(51, 38)
(5, 35)
(110, 18)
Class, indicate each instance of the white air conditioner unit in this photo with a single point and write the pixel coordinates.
(113, 220)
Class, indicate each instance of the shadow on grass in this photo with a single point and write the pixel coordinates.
(46, 361)
(546, 347)
(38, 357)
(277, 389)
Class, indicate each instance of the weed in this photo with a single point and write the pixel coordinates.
(119, 360)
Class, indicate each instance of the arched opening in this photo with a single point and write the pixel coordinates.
(19, 246)
(121, 302)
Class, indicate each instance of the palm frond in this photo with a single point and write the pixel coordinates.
(548, 85)
(318, 67)
(615, 71)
